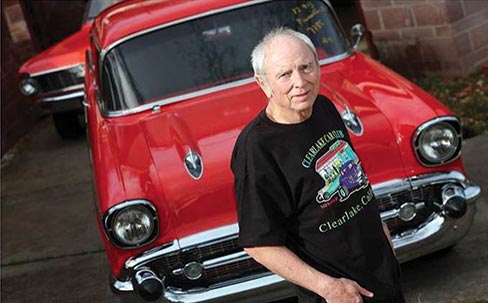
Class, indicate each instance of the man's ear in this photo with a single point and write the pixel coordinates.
(264, 86)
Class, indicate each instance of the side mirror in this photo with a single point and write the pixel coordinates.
(357, 33)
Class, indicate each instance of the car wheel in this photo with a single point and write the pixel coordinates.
(343, 191)
(70, 124)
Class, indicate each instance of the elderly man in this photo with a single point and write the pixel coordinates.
(327, 239)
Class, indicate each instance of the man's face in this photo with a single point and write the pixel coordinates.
(292, 77)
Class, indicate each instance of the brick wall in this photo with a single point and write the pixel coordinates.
(441, 37)
(18, 112)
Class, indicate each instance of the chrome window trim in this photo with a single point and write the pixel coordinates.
(198, 93)
(82, 65)
(427, 124)
(176, 99)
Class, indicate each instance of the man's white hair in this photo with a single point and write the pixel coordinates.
(259, 52)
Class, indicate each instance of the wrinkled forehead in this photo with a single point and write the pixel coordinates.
(286, 51)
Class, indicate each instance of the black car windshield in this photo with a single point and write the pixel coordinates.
(207, 52)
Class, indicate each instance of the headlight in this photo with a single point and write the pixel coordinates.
(131, 223)
(438, 142)
(29, 86)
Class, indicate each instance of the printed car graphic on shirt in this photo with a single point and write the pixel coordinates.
(342, 172)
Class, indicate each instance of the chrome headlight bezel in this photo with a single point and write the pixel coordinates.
(112, 216)
(451, 125)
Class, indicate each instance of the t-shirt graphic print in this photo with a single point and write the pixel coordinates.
(342, 172)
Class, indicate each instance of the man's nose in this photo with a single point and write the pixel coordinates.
(298, 79)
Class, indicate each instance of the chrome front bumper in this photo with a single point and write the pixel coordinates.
(62, 101)
(438, 232)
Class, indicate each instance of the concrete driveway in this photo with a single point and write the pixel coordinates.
(51, 250)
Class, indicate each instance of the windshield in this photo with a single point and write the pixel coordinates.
(207, 52)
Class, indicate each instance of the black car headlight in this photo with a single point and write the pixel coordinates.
(131, 223)
(438, 141)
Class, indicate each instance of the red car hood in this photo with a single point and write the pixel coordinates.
(390, 107)
(209, 125)
(69, 52)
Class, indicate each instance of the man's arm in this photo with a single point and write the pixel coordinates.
(286, 264)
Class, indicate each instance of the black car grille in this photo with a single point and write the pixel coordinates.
(60, 79)
(169, 265)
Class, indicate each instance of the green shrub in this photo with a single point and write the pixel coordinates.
(466, 97)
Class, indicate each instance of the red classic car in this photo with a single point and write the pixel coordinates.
(55, 76)
(169, 86)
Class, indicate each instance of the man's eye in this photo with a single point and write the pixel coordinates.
(284, 75)
(307, 67)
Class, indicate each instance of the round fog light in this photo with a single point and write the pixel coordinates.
(407, 212)
(193, 270)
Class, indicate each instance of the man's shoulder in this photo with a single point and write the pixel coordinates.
(253, 131)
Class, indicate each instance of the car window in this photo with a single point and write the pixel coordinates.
(208, 51)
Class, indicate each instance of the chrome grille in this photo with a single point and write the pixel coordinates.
(60, 79)
(425, 194)
(169, 264)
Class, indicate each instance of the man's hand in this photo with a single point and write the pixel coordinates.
(285, 263)
(345, 291)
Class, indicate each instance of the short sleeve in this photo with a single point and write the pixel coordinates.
(263, 197)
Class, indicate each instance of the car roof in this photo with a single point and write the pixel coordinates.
(128, 18)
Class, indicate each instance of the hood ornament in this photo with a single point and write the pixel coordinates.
(194, 164)
(352, 122)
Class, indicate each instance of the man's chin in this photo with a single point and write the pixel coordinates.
(304, 105)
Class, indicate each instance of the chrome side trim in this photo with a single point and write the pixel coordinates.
(73, 95)
(57, 69)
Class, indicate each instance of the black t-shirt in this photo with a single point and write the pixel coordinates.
(303, 186)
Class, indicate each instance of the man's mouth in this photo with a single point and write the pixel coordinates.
(305, 94)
